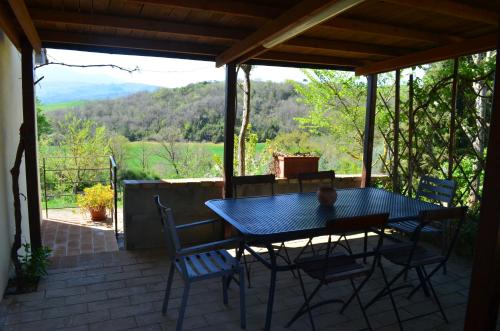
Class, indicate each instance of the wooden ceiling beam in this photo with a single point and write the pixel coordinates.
(127, 42)
(8, 25)
(309, 59)
(139, 24)
(469, 46)
(24, 19)
(228, 7)
(452, 8)
(194, 30)
(291, 19)
(346, 46)
(371, 28)
(251, 10)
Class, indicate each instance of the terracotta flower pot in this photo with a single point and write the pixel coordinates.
(98, 214)
(292, 166)
(327, 196)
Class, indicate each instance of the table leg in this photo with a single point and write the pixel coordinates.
(272, 287)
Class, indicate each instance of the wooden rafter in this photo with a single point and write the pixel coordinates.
(287, 21)
(308, 58)
(196, 30)
(125, 42)
(24, 19)
(452, 8)
(347, 46)
(230, 7)
(372, 28)
(469, 46)
(259, 11)
(8, 25)
(139, 24)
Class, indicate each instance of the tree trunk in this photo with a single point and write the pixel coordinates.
(245, 119)
(15, 172)
(479, 142)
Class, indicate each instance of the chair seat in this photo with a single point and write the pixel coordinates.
(399, 253)
(207, 264)
(339, 266)
(411, 226)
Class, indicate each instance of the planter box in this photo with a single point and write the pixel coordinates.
(291, 166)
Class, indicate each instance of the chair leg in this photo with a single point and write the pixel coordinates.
(356, 293)
(305, 305)
(365, 246)
(387, 287)
(225, 283)
(288, 259)
(393, 302)
(169, 287)
(423, 283)
(435, 295)
(428, 276)
(243, 319)
(182, 309)
(348, 246)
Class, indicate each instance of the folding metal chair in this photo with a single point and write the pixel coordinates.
(330, 268)
(268, 181)
(310, 176)
(440, 191)
(197, 263)
(411, 255)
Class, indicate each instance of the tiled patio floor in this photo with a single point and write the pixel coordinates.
(124, 290)
(68, 232)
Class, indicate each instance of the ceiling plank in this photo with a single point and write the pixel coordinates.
(308, 58)
(469, 46)
(24, 19)
(364, 26)
(452, 8)
(194, 30)
(121, 22)
(346, 46)
(248, 9)
(229, 7)
(290, 19)
(8, 25)
(126, 42)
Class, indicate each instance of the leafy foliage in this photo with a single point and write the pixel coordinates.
(96, 197)
(34, 264)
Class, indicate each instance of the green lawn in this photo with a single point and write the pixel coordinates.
(61, 105)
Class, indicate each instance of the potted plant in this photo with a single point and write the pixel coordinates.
(293, 153)
(96, 200)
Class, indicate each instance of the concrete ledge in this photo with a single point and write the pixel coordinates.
(186, 197)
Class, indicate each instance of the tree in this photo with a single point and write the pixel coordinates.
(245, 118)
(337, 107)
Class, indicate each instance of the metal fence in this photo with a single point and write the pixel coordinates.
(67, 177)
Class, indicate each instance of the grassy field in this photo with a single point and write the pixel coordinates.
(136, 152)
(61, 105)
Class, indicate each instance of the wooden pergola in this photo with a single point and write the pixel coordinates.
(365, 36)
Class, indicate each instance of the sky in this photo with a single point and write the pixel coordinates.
(154, 70)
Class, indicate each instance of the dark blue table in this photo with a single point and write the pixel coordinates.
(298, 215)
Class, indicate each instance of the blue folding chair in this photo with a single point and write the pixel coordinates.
(200, 262)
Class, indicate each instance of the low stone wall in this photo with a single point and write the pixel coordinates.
(186, 197)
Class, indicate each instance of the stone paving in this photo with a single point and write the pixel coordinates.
(69, 232)
(123, 290)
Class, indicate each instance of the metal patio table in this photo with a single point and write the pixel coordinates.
(283, 217)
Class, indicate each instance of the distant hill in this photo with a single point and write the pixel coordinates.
(62, 84)
(196, 110)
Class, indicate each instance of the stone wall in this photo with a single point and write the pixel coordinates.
(187, 199)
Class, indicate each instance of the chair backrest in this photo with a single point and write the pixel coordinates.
(253, 180)
(438, 190)
(169, 230)
(442, 215)
(307, 176)
(359, 224)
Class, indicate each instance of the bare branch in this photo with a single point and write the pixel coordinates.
(114, 66)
